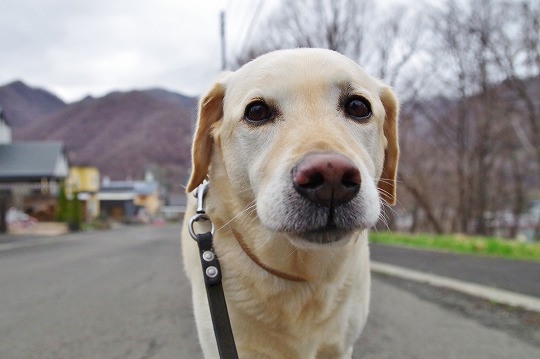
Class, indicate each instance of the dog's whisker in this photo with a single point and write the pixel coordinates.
(384, 220)
(253, 218)
(292, 253)
(245, 211)
(384, 214)
(386, 180)
(265, 242)
(300, 257)
(388, 194)
(249, 189)
(398, 203)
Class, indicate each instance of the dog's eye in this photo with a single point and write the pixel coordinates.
(257, 112)
(358, 108)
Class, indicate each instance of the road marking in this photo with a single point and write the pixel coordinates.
(477, 290)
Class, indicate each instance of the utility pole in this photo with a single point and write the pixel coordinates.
(223, 47)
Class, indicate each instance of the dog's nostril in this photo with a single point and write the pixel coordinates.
(349, 184)
(315, 180)
(351, 179)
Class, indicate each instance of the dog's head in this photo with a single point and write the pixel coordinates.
(308, 137)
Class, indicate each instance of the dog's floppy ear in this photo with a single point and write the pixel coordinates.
(387, 182)
(210, 111)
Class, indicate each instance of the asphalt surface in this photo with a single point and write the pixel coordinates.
(414, 321)
(111, 294)
(122, 294)
(516, 276)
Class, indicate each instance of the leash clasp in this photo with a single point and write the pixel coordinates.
(198, 218)
(200, 194)
(201, 213)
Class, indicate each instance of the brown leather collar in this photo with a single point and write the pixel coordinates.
(270, 270)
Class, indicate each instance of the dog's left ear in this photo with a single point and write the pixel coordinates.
(387, 182)
(210, 112)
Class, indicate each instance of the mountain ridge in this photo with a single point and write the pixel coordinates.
(122, 133)
(23, 104)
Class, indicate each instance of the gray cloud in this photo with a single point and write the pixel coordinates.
(75, 48)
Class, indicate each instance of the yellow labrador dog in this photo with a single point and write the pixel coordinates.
(299, 147)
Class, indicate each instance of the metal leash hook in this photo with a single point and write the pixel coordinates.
(201, 213)
(210, 264)
(212, 279)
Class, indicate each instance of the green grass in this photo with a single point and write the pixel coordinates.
(462, 244)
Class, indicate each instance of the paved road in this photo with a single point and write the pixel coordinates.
(122, 294)
(114, 294)
(405, 325)
(516, 276)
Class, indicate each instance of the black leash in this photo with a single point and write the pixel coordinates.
(212, 280)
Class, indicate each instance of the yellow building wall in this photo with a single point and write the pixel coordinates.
(84, 179)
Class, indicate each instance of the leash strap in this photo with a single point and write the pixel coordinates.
(216, 297)
(214, 287)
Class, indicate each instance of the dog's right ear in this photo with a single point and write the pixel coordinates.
(210, 112)
(387, 183)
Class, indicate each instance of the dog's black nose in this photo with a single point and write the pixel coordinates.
(329, 179)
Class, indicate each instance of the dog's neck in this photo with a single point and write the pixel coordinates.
(278, 256)
(256, 260)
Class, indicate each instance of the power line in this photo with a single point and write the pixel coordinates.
(254, 17)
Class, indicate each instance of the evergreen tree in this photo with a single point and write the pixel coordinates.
(62, 212)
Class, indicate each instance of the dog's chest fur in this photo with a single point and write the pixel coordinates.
(296, 318)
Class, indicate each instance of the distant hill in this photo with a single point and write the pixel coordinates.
(24, 105)
(124, 133)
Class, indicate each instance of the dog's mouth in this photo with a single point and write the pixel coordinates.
(325, 235)
(322, 226)
(306, 223)
(328, 233)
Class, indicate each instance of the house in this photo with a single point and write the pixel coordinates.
(130, 200)
(30, 174)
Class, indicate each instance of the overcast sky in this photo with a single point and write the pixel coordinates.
(75, 48)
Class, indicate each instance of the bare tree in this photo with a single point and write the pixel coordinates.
(338, 25)
(384, 42)
(475, 130)
(518, 58)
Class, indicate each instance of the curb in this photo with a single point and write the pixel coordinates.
(493, 294)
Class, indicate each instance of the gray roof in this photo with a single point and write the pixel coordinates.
(33, 161)
(138, 187)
